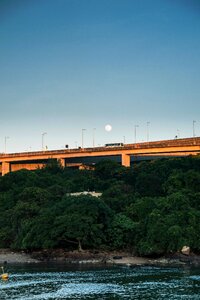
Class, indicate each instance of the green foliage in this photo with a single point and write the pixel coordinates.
(121, 232)
(16, 180)
(117, 196)
(108, 169)
(189, 180)
(166, 224)
(53, 166)
(38, 232)
(34, 195)
(149, 184)
(83, 220)
(153, 208)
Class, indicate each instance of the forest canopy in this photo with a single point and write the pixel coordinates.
(152, 208)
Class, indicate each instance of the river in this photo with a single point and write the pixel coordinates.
(45, 282)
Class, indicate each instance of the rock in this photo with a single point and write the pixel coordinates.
(185, 250)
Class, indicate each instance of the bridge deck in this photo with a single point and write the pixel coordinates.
(31, 160)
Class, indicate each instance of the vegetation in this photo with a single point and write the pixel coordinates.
(152, 208)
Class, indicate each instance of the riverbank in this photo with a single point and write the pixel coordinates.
(16, 257)
(94, 257)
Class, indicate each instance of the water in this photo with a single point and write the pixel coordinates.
(45, 282)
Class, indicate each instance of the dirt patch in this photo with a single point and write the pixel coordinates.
(15, 257)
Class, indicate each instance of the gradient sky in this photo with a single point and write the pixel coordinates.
(66, 65)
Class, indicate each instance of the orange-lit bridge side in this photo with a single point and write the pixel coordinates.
(33, 160)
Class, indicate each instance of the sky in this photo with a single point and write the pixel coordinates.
(69, 65)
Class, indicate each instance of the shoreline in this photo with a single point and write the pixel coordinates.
(94, 258)
(14, 257)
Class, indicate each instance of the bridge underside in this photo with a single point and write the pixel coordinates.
(18, 165)
(77, 162)
(117, 158)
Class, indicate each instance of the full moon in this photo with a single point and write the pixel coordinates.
(108, 127)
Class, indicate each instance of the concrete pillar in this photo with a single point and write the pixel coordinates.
(5, 167)
(62, 162)
(126, 160)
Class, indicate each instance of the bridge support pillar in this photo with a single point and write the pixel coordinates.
(62, 162)
(5, 167)
(126, 160)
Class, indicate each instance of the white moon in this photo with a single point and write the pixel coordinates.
(108, 127)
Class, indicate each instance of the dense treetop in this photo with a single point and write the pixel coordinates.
(152, 208)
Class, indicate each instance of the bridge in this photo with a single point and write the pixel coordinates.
(81, 157)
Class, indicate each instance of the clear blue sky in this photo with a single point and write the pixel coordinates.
(72, 64)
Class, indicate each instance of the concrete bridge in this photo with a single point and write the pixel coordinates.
(125, 153)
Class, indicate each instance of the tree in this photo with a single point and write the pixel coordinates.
(148, 184)
(53, 166)
(84, 220)
(108, 169)
(34, 195)
(122, 231)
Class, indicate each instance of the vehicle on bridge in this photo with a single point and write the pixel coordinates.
(114, 145)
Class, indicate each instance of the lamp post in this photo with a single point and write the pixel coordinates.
(136, 126)
(5, 141)
(93, 137)
(43, 134)
(124, 139)
(148, 123)
(193, 126)
(83, 129)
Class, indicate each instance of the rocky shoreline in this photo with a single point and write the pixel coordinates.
(94, 257)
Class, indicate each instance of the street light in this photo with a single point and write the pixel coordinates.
(6, 137)
(136, 126)
(124, 139)
(93, 137)
(148, 123)
(193, 125)
(83, 129)
(43, 134)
